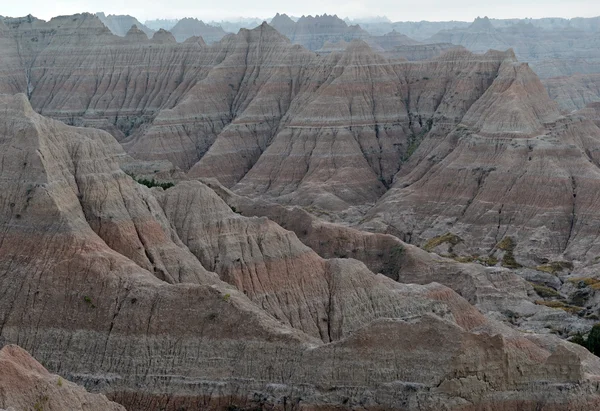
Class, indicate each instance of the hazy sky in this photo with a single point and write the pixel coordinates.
(396, 10)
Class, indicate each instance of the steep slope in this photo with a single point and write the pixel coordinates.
(222, 107)
(344, 144)
(88, 309)
(574, 92)
(126, 81)
(26, 384)
(513, 178)
(188, 27)
(120, 24)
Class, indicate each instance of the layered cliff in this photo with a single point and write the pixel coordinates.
(25, 384)
(105, 281)
(552, 52)
(514, 176)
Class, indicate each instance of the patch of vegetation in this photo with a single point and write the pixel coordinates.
(582, 282)
(154, 183)
(464, 258)
(39, 404)
(397, 252)
(555, 267)
(592, 342)
(88, 301)
(508, 259)
(151, 183)
(59, 382)
(489, 260)
(448, 238)
(226, 297)
(545, 292)
(391, 266)
(507, 244)
(572, 309)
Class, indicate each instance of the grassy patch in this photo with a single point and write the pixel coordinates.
(555, 267)
(545, 292)
(448, 238)
(593, 283)
(489, 260)
(572, 309)
(508, 246)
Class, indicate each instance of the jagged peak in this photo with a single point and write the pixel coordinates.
(482, 24)
(164, 36)
(516, 104)
(282, 18)
(188, 22)
(135, 33)
(194, 39)
(358, 45)
(265, 29)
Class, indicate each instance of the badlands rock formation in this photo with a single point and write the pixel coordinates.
(276, 121)
(514, 176)
(186, 28)
(313, 32)
(574, 92)
(25, 384)
(120, 25)
(108, 283)
(551, 52)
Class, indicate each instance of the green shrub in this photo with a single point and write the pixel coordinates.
(88, 301)
(154, 183)
(592, 342)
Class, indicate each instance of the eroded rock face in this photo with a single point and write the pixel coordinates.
(120, 24)
(574, 92)
(514, 170)
(552, 52)
(312, 32)
(121, 315)
(186, 28)
(233, 110)
(26, 384)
